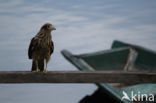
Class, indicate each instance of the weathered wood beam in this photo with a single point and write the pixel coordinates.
(77, 77)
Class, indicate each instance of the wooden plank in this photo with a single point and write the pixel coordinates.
(131, 60)
(77, 77)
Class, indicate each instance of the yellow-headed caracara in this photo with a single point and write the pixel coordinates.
(41, 47)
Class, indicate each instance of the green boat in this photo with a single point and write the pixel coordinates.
(121, 56)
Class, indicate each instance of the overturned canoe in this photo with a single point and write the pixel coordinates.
(121, 56)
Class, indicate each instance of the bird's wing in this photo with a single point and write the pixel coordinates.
(31, 48)
(51, 47)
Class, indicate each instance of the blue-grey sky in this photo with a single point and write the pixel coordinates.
(82, 26)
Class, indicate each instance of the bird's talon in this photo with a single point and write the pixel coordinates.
(45, 71)
(37, 70)
(34, 71)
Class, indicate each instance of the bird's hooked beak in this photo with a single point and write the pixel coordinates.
(52, 27)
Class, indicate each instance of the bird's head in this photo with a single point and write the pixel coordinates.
(48, 27)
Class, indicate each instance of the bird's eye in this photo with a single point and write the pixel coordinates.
(48, 27)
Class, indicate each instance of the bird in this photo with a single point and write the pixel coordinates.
(41, 48)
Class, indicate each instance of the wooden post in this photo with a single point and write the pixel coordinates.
(77, 77)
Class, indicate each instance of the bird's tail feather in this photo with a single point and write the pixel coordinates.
(34, 66)
(41, 65)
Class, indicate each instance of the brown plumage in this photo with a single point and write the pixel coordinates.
(41, 47)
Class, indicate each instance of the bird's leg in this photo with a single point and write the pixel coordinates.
(46, 66)
(35, 66)
(37, 70)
